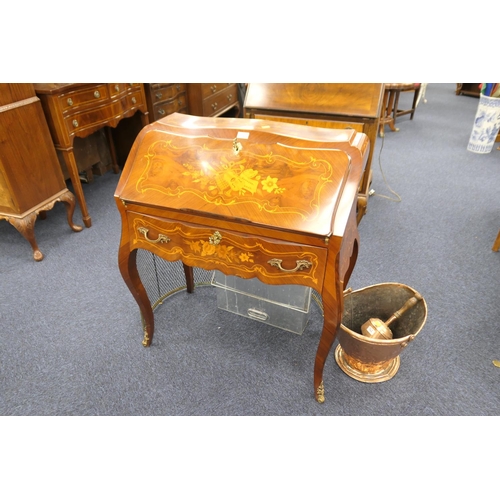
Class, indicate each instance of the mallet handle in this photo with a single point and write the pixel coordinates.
(408, 305)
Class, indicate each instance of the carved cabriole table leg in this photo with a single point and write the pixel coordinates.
(25, 224)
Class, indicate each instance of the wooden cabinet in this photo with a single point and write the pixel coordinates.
(166, 98)
(329, 105)
(213, 99)
(471, 89)
(31, 180)
(80, 109)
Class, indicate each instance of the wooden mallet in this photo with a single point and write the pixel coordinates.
(375, 328)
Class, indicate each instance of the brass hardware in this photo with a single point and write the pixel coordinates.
(229, 97)
(213, 88)
(161, 237)
(134, 100)
(178, 87)
(161, 111)
(327, 239)
(158, 95)
(215, 239)
(145, 341)
(301, 264)
(97, 94)
(320, 393)
(70, 101)
(496, 363)
(75, 123)
(214, 106)
(117, 88)
(237, 147)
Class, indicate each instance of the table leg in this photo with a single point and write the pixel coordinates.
(70, 160)
(68, 199)
(26, 227)
(112, 150)
(127, 263)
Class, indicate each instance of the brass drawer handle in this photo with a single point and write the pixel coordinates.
(213, 88)
(75, 123)
(158, 95)
(134, 100)
(162, 238)
(214, 106)
(215, 239)
(117, 88)
(70, 101)
(161, 111)
(97, 94)
(301, 264)
(229, 97)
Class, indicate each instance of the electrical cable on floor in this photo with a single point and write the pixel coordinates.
(372, 191)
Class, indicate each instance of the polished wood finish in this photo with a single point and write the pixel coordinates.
(331, 105)
(80, 109)
(251, 198)
(213, 99)
(166, 98)
(471, 89)
(31, 180)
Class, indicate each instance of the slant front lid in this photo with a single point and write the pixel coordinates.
(241, 173)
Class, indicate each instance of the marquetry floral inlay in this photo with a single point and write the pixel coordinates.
(225, 252)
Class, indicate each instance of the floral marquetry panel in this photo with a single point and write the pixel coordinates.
(250, 175)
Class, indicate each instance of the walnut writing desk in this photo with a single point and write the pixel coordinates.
(252, 198)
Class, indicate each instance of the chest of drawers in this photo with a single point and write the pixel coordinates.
(80, 109)
(163, 99)
(213, 99)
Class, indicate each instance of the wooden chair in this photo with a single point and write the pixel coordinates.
(390, 106)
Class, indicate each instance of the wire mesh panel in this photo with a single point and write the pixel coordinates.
(162, 278)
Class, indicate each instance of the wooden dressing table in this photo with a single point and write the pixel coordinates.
(80, 109)
(251, 198)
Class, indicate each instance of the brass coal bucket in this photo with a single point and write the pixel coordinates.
(376, 360)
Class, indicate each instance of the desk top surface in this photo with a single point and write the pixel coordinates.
(361, 100)
(285, 176)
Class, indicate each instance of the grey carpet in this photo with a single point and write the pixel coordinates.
(70, 332)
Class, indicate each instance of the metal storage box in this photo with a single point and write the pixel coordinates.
(283, 306)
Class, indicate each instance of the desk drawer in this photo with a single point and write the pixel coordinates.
(162, 109)
(217, 103)
(118, 88)
(247, 256)
(96, 95)
(165, 91)
(210, 89)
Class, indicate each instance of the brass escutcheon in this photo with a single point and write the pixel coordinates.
(301, 264)
(215, 239)
(237, 147)
(162, 238)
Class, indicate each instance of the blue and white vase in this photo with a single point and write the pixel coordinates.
(486, 125)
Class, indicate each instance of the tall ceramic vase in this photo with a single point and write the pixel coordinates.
(486, 125)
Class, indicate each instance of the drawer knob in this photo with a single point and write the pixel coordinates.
(97, 94)
(158, 95)
(229, 97)
(214, 106)
(213, 88)
(162, 238)
(75, 123)
(215, 239)
(301, 264)
(161, 111)
(134, 100)
(70, 101)
(117, 88)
